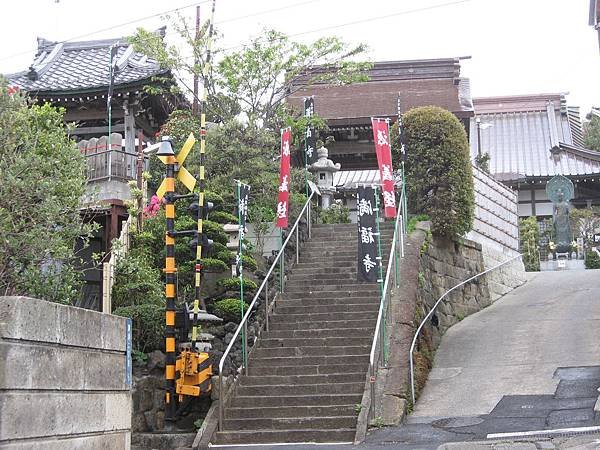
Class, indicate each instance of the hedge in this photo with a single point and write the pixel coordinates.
(439, 176)
(229, 309)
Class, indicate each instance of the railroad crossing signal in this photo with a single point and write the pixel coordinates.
(183, 174)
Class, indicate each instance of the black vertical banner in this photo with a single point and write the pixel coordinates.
(310, 139)
(367, 235)
(244, 191)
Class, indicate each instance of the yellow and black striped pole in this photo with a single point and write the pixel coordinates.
(170, 270)
(201, 182)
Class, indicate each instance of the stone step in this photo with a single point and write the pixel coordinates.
(323, 317)
(325, 271)
(291, 411)
(332, 294)
(302, 379)
(285, 436)
(309, 369)
(285, 333)
(278, 361)
(344, 242)
(270, 390)
(241, 401)
(336, 279)
(272, 352)
(340, 288)
(290, 423)
(334, 324)
(315, 342)
(283, 308)
(325, 301)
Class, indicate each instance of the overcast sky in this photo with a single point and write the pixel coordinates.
(517, 46)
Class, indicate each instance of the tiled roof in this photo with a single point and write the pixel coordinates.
(83, 67)
(417, 83)
(349, 179)
(530, 137)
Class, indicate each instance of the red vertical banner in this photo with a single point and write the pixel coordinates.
(383, 150)
(284, 179)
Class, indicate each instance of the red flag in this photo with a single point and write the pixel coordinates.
(284, 179)
(384, 159)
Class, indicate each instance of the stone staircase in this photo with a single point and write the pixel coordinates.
(307, 373)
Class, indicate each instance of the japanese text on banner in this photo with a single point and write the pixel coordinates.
(367, 232)
(384, 159)
(284, 179)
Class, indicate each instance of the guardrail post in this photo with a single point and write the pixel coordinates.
(297, 246)
(221, 394)
(267, 304)
(245, 337)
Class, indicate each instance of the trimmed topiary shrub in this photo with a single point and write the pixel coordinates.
(223, 217)
(229, 309)
(529, 235)
(592, 260)
(148, 325)
(249, 263)
(439, 177)
(233, 284)
(213, 265)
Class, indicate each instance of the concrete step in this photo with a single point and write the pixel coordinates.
(310, 351)
(323, 317)
(278, 361)
(283, 308)
(291, 423)
(285, 301)
(291, 411)
(285, 436)
(270, 390)
(302, 379)
(349, 366)
(334, 324)
(339, 288)
(322, 278)
(327, 295)
(315, 342)
(286, 333)
(241, 401)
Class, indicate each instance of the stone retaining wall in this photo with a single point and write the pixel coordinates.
(64, 380)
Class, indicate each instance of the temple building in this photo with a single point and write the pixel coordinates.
(530, 139)
(392, 87)
(77, 77)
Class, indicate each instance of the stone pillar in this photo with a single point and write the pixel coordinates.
(324, 168)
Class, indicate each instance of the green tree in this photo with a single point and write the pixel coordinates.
(262, 74)
(591, 136)
(439, 176)
(529, 236)
(43, 180)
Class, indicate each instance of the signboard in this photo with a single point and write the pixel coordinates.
(384, 159)
(367, 233)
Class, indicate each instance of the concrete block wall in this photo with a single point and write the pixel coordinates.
(64, 381)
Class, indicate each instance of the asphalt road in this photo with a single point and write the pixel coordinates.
(529, 362)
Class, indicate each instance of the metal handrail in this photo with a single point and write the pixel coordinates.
(378, 333)
(422, 324)
(244, 322)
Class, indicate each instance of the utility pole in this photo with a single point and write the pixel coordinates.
(196, 63)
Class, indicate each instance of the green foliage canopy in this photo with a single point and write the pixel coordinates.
(591, 136)
(43, 181)
(439, 176)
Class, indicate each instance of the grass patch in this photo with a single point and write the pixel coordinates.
(412, 222)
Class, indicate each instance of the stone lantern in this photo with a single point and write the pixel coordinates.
(324, 168)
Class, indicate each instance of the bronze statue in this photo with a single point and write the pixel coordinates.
(561, 190)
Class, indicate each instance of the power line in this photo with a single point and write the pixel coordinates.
(14, 55)
(261, 13)
(356, 22)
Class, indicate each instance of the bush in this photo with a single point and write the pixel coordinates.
(334, 214)
(223, 217)
(233, 284)
(226, 256)
(592, 260)
(439, 176)
(137, 281)
(529, 234)
(249, 263)
(213, 265)
(148, 325)
(229, 309)
(413, 221)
